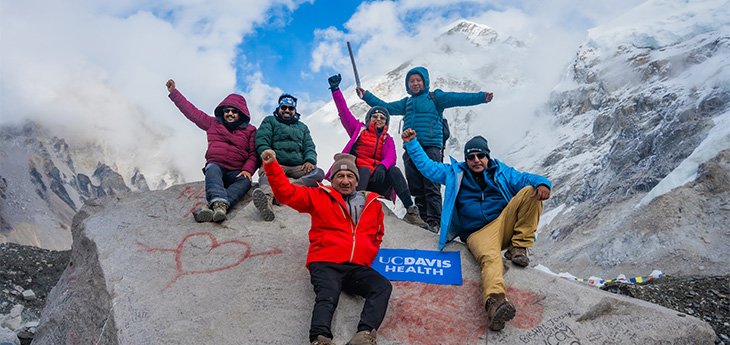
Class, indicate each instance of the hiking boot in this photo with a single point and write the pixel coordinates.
(518, 255)
(412, 217)
(203, 215)
(322, 340)
(262, 203)
(434, 226)
(499, 311)
(364, 338)
(220, 208)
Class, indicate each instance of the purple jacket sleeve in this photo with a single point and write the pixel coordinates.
(389, 156)
(252, 163)
(198, 117)
(350, 123)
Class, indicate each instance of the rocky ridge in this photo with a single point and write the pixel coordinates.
(640, 106)
(44, 182)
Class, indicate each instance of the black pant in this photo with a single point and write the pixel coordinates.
(393, 180)
(329, 279)
(426, 193)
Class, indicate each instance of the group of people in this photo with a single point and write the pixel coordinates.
(490, 206)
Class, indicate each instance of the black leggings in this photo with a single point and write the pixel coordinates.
(394, 180)
(426, 192)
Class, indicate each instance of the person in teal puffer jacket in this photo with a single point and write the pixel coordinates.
(283, 133)
(425, 115)
(491, 207)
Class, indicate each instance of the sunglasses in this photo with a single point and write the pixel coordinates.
(287, 107)
(479, 155)
(379, 116)
(232, 110)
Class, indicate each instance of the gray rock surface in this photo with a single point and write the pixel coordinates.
(142, 271)
(8, 337)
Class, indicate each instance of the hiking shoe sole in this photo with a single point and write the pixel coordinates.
(262, 204)
(203, 216)
(219, 216)
(505, 312)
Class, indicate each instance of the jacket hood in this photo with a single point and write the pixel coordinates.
(378, 109)
(238, 102)
(424, 75)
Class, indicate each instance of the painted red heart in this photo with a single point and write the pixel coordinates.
(202, 253)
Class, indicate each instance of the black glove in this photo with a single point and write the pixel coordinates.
(335, 82)
(378, 174)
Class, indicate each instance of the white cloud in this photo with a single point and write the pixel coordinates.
(103, 67)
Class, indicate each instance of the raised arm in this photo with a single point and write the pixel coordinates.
(348, 121)
(297, 197)
(394, 108)
(197, 116)
(461, 99)
(429, 168)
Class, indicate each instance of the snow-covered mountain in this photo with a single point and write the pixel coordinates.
(642, 109)
(44, 181)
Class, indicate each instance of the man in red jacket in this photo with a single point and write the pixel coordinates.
(346, 232)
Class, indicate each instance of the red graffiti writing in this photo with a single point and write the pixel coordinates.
(191, 193)
(449, 314)
(202, 253)
(529, 309)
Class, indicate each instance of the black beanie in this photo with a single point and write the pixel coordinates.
(378, 109)
(478, 144)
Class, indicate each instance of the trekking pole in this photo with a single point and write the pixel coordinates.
(354, 68)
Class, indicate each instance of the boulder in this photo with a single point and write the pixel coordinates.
(143, 271)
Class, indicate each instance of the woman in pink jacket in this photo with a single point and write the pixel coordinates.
(231, 158)
(374, 149)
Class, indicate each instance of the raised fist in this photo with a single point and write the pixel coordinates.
(334, 82)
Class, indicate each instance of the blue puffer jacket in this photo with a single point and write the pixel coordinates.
(509, 182)
(421, 113)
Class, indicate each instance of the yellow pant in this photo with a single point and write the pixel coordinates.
(516, 225)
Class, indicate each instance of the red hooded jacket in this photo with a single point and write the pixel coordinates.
(233, 150)
(333, 236)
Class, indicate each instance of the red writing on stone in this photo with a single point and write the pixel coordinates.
(201, 253)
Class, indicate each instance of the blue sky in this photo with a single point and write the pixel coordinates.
(281, 47)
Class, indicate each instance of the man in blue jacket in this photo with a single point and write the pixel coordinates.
(423, 112)
(491, 207)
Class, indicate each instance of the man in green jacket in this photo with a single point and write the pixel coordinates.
(295, 151)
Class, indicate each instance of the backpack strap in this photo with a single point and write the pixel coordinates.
(432, 96)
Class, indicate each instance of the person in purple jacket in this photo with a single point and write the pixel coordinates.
(374, 150)
(231, 158)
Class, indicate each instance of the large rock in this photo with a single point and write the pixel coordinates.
(143, 272)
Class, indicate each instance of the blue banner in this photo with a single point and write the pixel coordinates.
(427, 266)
